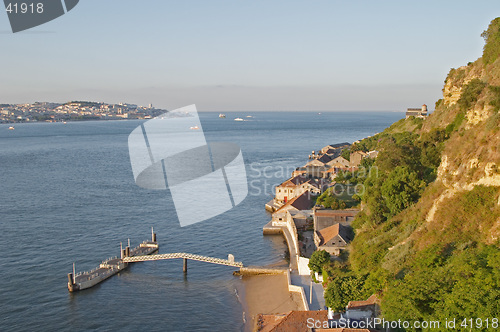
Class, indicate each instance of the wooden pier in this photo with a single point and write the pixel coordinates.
(144, 252)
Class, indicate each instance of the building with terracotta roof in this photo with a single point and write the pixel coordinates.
(335, 147)
(315, 171)
(338, 162)
(367, 309)
(326, 217)
(333, 239)
(315, 162)
(288, 189)
(301, 202)
(356, 157)
(298, 185)
(292, 321)
(417, 112)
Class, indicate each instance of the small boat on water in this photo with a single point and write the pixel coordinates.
(222, 116)
(238, 119)
(249, 116)
(194, 128)
(11, 128)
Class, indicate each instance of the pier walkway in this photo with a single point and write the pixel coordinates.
(228, 262)
(269, 228)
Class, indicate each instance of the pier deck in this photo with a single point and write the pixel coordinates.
(144, 252)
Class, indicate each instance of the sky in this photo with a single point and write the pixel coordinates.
(260, 55)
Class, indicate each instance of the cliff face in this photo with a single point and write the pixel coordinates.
(471, 156)
(451, 214)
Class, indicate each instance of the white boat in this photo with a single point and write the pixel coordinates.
(249, 116)
(238, 119)
(222, 116)
(194, 128)
(11, 128)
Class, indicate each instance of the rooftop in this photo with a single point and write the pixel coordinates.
(360, 304)
(328, 233)
(302, 202)
(292, 321)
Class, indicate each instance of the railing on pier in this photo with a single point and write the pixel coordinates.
(227, 262)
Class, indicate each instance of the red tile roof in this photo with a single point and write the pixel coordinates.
(342, 330)
(358, 304)
(293, 321)
(328, 233)
(302, 202)
(334, 213)
(295, 181)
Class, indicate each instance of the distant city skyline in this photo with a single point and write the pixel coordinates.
(260, 56)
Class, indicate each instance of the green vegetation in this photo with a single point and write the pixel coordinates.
(346, 154)
(471, 93)
(495, 100)
(329, 200)
(430, 266)
(343, 289)
(340, 196)
(318, 260)
(491, 50)
(402, 189)
(442, 285)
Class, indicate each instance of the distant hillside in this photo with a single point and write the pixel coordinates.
(428, 237)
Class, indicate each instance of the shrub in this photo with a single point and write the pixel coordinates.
(344, 289)
(318, 260)
(471, 93)
(491, 36)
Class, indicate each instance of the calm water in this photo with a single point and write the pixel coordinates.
(67, 195)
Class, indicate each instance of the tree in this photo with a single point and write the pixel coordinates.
(342, 290)
(401, 189)
(491, 49)
(318, 260)
(337, 204)
(346, 153)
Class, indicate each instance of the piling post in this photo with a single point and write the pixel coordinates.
(185, 265)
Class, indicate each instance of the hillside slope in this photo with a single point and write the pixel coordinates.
(429, 231)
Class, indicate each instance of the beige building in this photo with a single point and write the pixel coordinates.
(417, 112)
(338, 162)
(326, 217)
(298, 185)
(333, 238)
(356, 157)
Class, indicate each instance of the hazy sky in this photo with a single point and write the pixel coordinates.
(245, 55)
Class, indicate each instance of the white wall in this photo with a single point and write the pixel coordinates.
(303, 266)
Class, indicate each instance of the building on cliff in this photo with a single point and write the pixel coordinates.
(417, 112)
